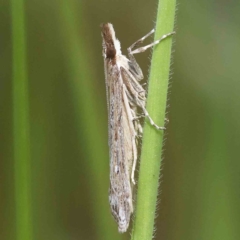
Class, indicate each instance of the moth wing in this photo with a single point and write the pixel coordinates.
(120, 146)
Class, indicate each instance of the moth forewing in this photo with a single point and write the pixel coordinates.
(121, 152)
(125, 96)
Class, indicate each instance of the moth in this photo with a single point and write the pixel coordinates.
(126, 100)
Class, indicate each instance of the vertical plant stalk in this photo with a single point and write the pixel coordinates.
(21, 144)
(150, 164)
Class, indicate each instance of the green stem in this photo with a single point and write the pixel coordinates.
(21, 124)
(150, 164)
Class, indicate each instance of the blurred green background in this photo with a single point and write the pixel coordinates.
(69, 164)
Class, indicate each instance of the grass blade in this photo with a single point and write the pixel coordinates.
(21, 124)
(152, 139)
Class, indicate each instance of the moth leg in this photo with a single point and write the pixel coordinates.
(139, 41)
(134, 160)
(150, 119)
(133, 63)
(130, 118)
(141, 104)
(141, 116)
(166, 120)
(143, 49)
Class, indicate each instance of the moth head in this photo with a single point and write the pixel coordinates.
(111, 46)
